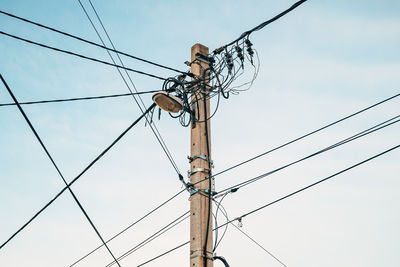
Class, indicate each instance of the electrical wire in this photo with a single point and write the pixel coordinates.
(282, 198)
(90, 42)
(262, 25)
(81, 56)
(244, 233)
(259, 245)
(157, 234)
(340, 143)
(209, 180)
(308, 134)
(56, 167)
(163, 254)
(148, 120)
(76, 178)
(75, 99)
(314, 184)
(128, 227)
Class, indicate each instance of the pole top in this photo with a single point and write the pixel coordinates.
(199, 48)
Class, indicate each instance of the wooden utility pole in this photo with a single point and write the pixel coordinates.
(200, 215)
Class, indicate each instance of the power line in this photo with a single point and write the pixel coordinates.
(308, 134)
(259, 245)
(56, 167)
(81, 56)
(163, 254)
(248, 236)
(77, 177)
(76, 99)
(149, 121)
(342, 142)
(280, 199)
(157, 234)
(128, 227)
(262, 25)
(90, 42)
(313, 184)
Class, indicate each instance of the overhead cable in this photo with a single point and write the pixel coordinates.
(56, 167)
(128, 227)
(313, 184)
(157, 234)
(148, 120)
(77, 177)
(90, 42)
(370, 130)
(75, 99)
(81, 56)
(245, 234)
(262, 25)
(309, 134)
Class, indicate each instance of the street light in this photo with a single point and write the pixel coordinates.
(168, 102)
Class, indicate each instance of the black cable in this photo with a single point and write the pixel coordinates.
(77, 177)
(157, 234)
(342, 142)
(262, 25)
(128, 227)
(313, 184)
(221, 259)
(149, 121)
(164, 253)
(259, 245)
(90, 42)
(56, 167)
(219, 205)
(249, 237)
(209, 178)
(308, 134)
(75, 99)
(81, 56)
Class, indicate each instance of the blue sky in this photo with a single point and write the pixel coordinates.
(323, 61)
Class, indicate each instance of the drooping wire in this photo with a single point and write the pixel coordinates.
(363, 133)
(148, 118)
(219, 206)
(77, 177)
(129, 226)
(81, 56)
(56, 167)
(308, 134)
(90, 42)
(152, 237)
(75, 99)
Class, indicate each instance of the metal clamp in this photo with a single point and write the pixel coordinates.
(196, 157)
(191, 172)
(203, 157)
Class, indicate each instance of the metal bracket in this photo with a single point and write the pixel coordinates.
(191, 172)
(194, 192)
(196, 157)
(203, 157)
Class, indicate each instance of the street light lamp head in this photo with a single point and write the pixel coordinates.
(168, 102)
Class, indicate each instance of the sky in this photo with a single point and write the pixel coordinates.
(321, 62)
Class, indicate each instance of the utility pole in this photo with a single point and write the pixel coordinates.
(200, 168)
